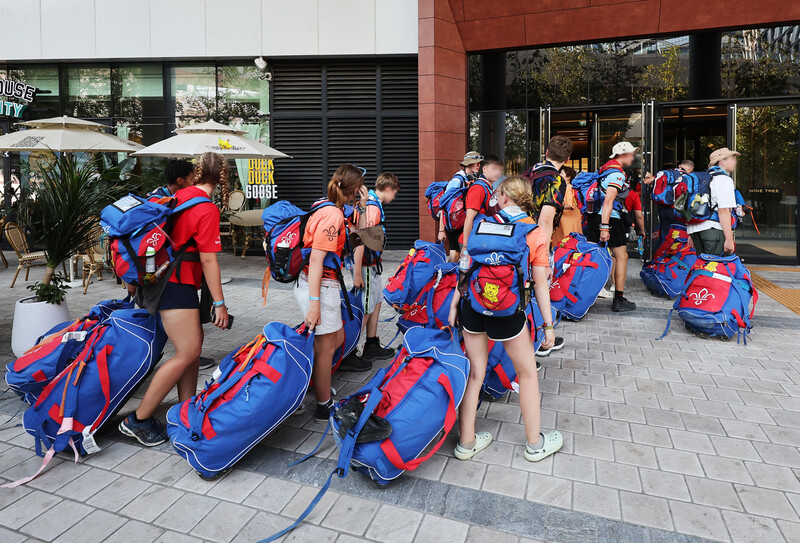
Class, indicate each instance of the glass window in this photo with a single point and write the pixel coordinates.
(194, 91)
(138, 91)
(761, 62)
(88, 91)
(241, 93)
(45, 78)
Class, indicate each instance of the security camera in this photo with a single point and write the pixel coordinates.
(263, 67)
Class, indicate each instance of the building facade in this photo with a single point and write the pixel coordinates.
(505, 76)
(343, 85)
(409, 85)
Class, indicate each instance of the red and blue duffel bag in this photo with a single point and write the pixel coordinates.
(431, 307)
(666, 274)
(580, 270)
(29, 374)
(414, 272)
(118, 355)
(417, 396)
(501, 376)
(677, 237)
(719, 299)
(254, 389)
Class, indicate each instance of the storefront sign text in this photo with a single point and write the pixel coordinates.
(260, 179)
(15, 90)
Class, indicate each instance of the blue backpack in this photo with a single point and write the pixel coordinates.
(29, 374)
(497, 280)
(431, 307)
(255, 388)
(116, 358)
(666, 274)
(664, 187)
(414, 271)
(580, 270)
(501, 376)
(716, 301)
(454, 204)
(433, 194)
(418, 395)
(590, 194)
(694, 204)
(134, 226)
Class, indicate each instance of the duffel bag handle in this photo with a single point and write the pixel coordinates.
(390, 450)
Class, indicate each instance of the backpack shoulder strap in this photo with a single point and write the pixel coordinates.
(191, 202)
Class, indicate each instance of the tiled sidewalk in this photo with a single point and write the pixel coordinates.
(675, 440)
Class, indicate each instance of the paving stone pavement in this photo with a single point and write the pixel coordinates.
(679, 440)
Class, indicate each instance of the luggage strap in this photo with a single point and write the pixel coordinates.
(346, 453)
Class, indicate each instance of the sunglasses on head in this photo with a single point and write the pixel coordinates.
(362, 170)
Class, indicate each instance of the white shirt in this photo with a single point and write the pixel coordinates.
(723, 196)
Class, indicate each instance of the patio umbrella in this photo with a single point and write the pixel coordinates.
(65, 134)
(212, 137)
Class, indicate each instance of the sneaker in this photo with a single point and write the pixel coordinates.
(148, 432)
(376, 429)
(605, 294)
(622, 305)
(373, 352)
(552, 443)
(538, 366)
(353, 362)
(557, 346)
(323, 412)
(206, 362)
(482, 440)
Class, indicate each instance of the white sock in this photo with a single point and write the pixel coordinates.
(538, 445)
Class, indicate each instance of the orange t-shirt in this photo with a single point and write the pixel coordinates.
(325, 231)
(538, 248)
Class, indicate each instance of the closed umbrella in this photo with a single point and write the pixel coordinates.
(212, 137)
(66, 134)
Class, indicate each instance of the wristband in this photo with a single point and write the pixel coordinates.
(605, 227)
(548, 326)
(313, 298)
(361, 209)
(219, 303)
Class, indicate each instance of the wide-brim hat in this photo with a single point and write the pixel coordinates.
(371, 237)
(720, 155)
(473, 157)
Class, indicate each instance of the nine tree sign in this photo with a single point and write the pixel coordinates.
(17, 91)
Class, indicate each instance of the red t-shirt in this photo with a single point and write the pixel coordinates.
(199, 223)
(633, 202)
(478, 198)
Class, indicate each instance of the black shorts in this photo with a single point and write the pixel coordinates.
(179, 296)
(497, 328)
(452, 238)
(618, 235)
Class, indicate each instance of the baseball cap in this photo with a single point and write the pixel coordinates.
(622, 148)
(371, 236)
(473, 157)
(721, 154)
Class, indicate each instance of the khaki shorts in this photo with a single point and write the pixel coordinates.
(330, 305)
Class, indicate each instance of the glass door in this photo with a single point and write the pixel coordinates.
(767, 176)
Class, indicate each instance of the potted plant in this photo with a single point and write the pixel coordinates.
(67, 198)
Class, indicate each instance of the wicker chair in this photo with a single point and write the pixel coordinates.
(19, 242)
(2, 256)
(93, 257)
(236, 203)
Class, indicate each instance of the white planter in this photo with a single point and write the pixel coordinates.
(32, 319)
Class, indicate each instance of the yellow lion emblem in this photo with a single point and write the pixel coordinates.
(225, 144)
(712, 266)
(490, 292)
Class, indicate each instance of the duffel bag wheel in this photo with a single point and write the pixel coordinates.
(215, 477)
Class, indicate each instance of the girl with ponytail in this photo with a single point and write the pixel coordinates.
(516, 204)
(175, 297)
(317, 290)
